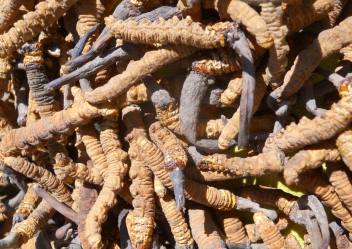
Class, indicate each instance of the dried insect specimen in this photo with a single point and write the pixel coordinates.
(26, 229)
(173, 31)
(340, 181)
(177, 222)
(347, 53)
(37, 78)
(268, 232)
(27, 205)
(135, 71)
(232, 92)
(309, 159)
(204, 231)
(277, 62)
(46, 13)
(291, 242)
(262, 164)
(8, 9)
(246, 15)
(175, 158)
(233, 228)
(140, 222)
(167, 110)
(321, 188)
(232, 128)
(343, 145)
(320, 48)
(42, 176)
(221, 61)
(45, 129)
(307, 132)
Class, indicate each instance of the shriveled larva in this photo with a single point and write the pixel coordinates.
(309, 159)
(8, 13)
(347, 53)
(344, 145)
(42, 176)
(268, 232)
(177, 222)
(27, 205)
(315, 130)
(232, 92)
(204, 231)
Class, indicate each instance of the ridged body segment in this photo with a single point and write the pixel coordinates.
(344, 145)
(339, 179)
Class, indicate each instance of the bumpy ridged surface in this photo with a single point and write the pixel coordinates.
(35, 221)
(321, 188)
(172, 31)
(246, 15)
(339, 179)
(269, 233)
(177, 222)
(283, 201)
(8, 13)
(347, 53)
(311, 131)
(232, 92)
(262, 164)
(197, 192)
(140, 221)
(42, 176)
(233, 227)
(232, 127)
(204, 231)
(28, 203)
(273, 16)
(221, 61)
(135, 71)
(214, 127)
(309, 159)
(47, 128)
(344, 145)
(174, 153)
(89, 14)
(329, 41)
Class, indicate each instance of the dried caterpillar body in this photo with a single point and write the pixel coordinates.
(320, 187)
(89, 14)
(344, 145)
(307, 132)
(204, 231)
(167, 110)
(232, 92)
(159, 188)
(347, 53)
(222, 61)
(273, 16)
(268, 232)
(233, 228)
(177, 222)
(140, 222)
(173, 31)
(135, 95)
(246, 15)
(28, 204)
(45, 14)
(135, 71)
(197, 192)
(8, 9)
(329, 41)
(259, 165)
(47, 128)
(214, 127)
(309, 159)
(42, 176)
(232, 127)
(37, 78)
(340, 181)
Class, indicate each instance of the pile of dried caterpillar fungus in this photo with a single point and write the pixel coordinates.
(209, 124)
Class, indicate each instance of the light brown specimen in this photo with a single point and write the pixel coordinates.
(232, 92)
(344, 145)
(8, 13)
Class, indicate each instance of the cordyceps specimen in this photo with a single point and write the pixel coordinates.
(8, 13)
(344, 145)
(175, 158)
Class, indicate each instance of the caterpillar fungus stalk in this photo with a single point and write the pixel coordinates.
(175, 158)
(269, 233)
(309, 159)
(344, 145)
(172, 31)
(48, 128)
(339, 179)
(45, 14)
(197, 192)
(311, 131)
(177, 222)
(246, 15)
(42, 176)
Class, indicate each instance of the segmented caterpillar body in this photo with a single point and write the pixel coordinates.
(8, 13)
(28, 203)
(344, 145)
(232, 92)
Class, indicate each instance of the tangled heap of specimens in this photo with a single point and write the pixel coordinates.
(208, 124)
